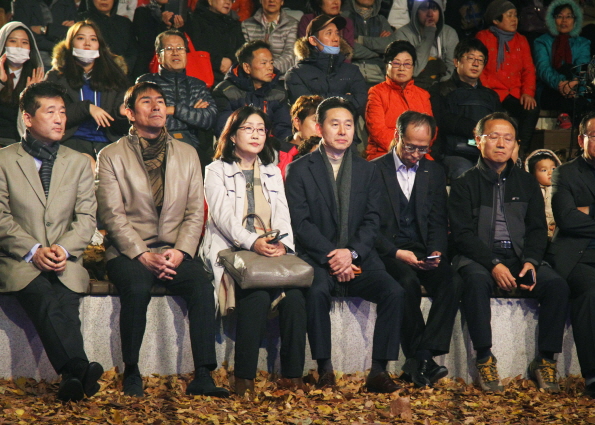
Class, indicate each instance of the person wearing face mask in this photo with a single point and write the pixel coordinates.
(20, 66)
(95, 86)
(322, 69)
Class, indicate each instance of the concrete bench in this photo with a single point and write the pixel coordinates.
(166, 346)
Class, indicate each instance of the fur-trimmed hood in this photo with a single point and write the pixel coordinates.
(304, 50)
(550, 21)
(547, 152)
(59, 57)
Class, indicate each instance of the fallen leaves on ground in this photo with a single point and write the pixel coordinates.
(25, 401)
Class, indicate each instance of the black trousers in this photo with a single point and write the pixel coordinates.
(551, 291)
(54, 311)
(582, 313)
(446, 293)
(526, 119)
(376, 286)
(252, 312)
(134, 282)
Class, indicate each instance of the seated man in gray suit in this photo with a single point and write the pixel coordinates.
(48, 208)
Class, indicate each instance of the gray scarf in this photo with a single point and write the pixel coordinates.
(503, 38)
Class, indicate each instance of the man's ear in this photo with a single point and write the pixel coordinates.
(581, 140)
(246, 67)
(455, 61)
(130, 114)
(312, 41)
(319, 129)
(27, 119)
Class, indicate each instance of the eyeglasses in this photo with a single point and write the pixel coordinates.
(590, 136)
(564, 17)
(171, 49)
(473, 59)
(249, 130)
(406, 65)
(493, 136)
(421, 149)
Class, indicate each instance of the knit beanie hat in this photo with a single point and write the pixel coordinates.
(495, 9)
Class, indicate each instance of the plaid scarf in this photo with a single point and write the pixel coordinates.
(46, 154)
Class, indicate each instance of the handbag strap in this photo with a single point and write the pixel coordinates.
(190, 45)
(261, 222)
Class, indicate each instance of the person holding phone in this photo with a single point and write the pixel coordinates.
(497, 218)
(246, 198)
(412, 243)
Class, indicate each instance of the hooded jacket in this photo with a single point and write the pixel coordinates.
(116, 31)
(183, 91)
(443, 37)
(238, 90)
(220, 35)
(281, 39)
(370, 63)
(11, 124)
(77, 111)
(546, 191)
(325, 75)
(579, 46)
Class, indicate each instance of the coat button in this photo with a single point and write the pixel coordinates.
(580, 252)
(48, 224)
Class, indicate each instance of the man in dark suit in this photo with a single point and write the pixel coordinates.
(412, 244)
(572, 250)
(333, 199)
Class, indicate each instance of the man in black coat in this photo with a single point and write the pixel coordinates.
(333, 199)
(497, 218)
(572, 249)
(412, 243)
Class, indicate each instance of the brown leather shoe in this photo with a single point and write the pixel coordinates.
(242, 385)
(292, 384)
(326, 380)
(381, 383)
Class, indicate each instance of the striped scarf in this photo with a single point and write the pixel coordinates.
(46, 154)
(153, 151)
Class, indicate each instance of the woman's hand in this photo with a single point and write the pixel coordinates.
(262, 247)
(3, 74)
(528, 102)
(37, 76)
(101, 117)
(567, 88)
(226, 63)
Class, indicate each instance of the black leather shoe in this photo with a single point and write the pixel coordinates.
(590, 390)
(133, 385)
(71, 389)
(326, 380)
(435, 372)
(381, 383)
(204, 385)
(92, 375)
(242, 385)
(415, 371)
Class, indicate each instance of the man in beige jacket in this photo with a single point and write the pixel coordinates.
(150, 200)
(48, 218)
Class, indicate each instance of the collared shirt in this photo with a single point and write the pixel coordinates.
(405, 176)
(17, 76)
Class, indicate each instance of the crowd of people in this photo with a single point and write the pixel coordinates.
(335, 129)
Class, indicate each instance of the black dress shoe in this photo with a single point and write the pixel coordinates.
(133, 385)
(381, 383)
(92, 375)
(327, 380)
(204, 385)
(71, 389)
(415, 370)
(242, 385)
(590, 390)
(435, 372)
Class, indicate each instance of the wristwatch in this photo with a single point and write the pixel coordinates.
(354, 255)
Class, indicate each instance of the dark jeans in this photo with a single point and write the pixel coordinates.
(526, 120)
(376, 286)
(551, 291)
(252, 310)
(54, 311)
(134, 282)
(435, 334)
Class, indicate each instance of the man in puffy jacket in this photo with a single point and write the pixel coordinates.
(254, 81)
(191, 111)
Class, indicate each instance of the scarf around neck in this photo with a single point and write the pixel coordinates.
(503, 38)
(153, 152)
(46, 154)
(561, 52)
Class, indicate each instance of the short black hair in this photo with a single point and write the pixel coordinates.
(331, 103)
(414, 119)
(532, 163)
(168, 33)
(399, 46)
(582, 127)
(467, 45)
(561, 7)
(138, 89)
(245, 54)
(479, 128)
(225, 146)
(29, 99)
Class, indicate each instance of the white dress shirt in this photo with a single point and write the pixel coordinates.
(405, 176)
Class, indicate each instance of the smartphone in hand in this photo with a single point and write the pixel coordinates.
(528, 279)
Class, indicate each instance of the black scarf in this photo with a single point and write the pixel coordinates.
(46, 154)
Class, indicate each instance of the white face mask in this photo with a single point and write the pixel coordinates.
(85, 56)
(17, 55)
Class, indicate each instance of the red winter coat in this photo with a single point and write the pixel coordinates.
(516, 75)
(386, 102)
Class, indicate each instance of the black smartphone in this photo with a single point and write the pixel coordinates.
(278, 238)
(528, 279)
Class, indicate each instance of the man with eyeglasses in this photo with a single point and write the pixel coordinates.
(412, 243)
(192, 111)
(497, 218)
(457, 105)
(572, 250)
(150, 200)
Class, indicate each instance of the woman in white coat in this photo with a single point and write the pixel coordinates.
(243, 180)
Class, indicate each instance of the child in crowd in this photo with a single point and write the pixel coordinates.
(542, 163)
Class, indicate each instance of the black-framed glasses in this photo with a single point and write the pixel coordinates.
(473, 59)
